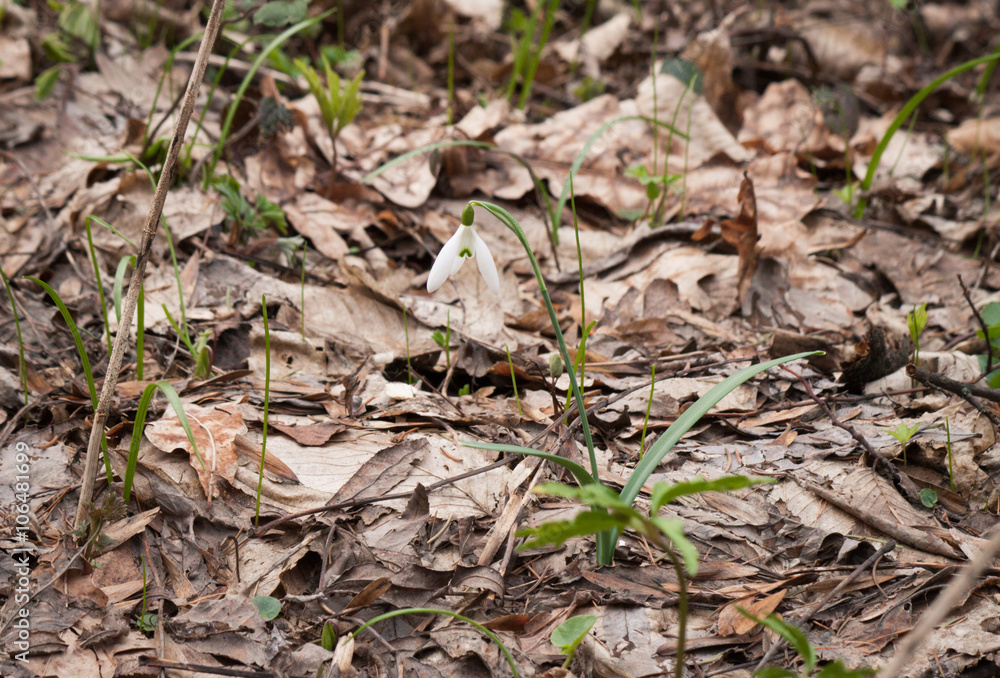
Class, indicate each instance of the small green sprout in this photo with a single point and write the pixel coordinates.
(568, 635)
(338, 104)
(903, 433)
(328, 639)
(928, 497)
(268, 607)
(916, 321)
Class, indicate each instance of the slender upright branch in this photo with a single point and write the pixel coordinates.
(138, 273)
(982, 326)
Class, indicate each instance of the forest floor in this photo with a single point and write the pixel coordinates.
(788, 201)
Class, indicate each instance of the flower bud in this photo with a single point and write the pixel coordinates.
(468, 215)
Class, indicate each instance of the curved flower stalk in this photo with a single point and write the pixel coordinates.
(605, 544)
(608, 535)
(465, 244)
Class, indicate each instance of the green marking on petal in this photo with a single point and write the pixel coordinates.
(467, 253)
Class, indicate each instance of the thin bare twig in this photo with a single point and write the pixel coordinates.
(139, 270)
(811, 611)
(956, 589)
(982, 326)
(968, 392)
(879, 463)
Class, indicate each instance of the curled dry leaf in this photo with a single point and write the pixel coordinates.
(215, 430)
(741, 233)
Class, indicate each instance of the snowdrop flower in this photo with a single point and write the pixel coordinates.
(465, 244)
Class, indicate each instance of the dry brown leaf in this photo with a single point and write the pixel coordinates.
(733, 623)
(214, 430)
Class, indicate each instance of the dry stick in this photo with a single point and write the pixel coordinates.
(139, 270)
(810, 612)
(982, 326)
(879, 463)
(943, 604)
(968, 392)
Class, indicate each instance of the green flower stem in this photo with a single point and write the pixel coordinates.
(429, 610)
(605, 544)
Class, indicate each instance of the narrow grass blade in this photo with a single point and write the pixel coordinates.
(23, 366)
(905, 114)
(84, 360)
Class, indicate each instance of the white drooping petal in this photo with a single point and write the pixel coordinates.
(487, 268)
(444, 264)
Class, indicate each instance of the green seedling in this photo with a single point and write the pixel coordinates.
(84, 361)
(522, 33)
(328, 637)
(277, 42)
(146, 622)
(444, 340)
(928, 497)
(465, 390)
(916, 321)
(991, 318)
(249, 219)
(140, 424)
(568, 635)
(22, 366)
(608, 512)
(903, 433)
(77, 39)
(429, 610)
(267, 405)
(641, 473)
(798, 641)
(338, 104)
(268, 607)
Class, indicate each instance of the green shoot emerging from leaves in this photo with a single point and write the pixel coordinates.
(916, 321)
(568, 635)
(338, 104)
(903, 433)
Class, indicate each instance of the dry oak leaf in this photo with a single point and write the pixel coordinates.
(214, 429)
(742, 234)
